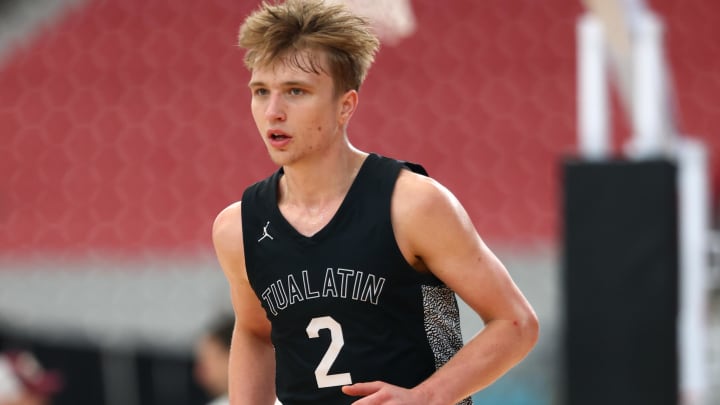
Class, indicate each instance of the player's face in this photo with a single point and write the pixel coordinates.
(297, 113)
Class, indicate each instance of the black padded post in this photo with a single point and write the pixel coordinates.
(620, 281)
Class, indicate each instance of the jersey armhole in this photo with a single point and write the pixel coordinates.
(415, 168)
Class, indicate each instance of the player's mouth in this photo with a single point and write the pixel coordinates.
(278, 138)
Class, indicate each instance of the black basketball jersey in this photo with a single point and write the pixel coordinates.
(344, 304)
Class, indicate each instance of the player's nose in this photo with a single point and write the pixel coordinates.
(275, 108)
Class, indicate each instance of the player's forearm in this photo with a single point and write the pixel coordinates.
(251, 371)
(485, 358)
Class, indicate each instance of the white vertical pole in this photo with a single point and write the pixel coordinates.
(694, 228)
(593, 112)
(648, 89)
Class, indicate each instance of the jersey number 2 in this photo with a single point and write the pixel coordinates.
(337, 341)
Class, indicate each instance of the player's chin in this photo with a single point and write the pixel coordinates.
(280, 157)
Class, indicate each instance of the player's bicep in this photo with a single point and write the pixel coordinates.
(435, 228)
(228, 243)
(249, 314)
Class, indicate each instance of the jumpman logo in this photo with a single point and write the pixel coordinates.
(265, 232)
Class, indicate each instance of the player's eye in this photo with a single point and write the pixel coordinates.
(296, 91)
(260, 92)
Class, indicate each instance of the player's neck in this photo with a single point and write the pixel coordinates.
(322, 180)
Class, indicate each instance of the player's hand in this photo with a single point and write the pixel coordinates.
(380, 393)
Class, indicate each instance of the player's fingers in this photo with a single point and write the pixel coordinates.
(362, 389)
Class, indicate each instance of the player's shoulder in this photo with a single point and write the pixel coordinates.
(228, 223)
(229, 213)
(422, 209)
(417, 193)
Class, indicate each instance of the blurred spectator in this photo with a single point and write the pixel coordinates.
(23, 380)
(212, 354)
(212, 357)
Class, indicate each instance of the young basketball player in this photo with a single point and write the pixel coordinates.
(343, 265)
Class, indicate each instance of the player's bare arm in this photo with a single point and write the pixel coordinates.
(436, 234)
(252, 361)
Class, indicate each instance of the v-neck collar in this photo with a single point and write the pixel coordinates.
(320, 235)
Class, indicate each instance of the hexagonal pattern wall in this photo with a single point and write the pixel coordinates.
(126, 128)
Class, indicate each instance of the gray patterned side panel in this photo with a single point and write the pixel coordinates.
(442, 325)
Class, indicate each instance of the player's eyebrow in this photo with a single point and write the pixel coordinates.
(291, 83)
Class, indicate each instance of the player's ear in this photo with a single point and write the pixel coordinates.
(348, 103)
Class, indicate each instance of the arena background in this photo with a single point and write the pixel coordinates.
(125, 128)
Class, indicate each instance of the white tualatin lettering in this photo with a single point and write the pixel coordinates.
(338, 283)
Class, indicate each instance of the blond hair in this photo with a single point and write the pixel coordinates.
(283, 31)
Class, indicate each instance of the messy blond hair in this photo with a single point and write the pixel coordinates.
(283, 31)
